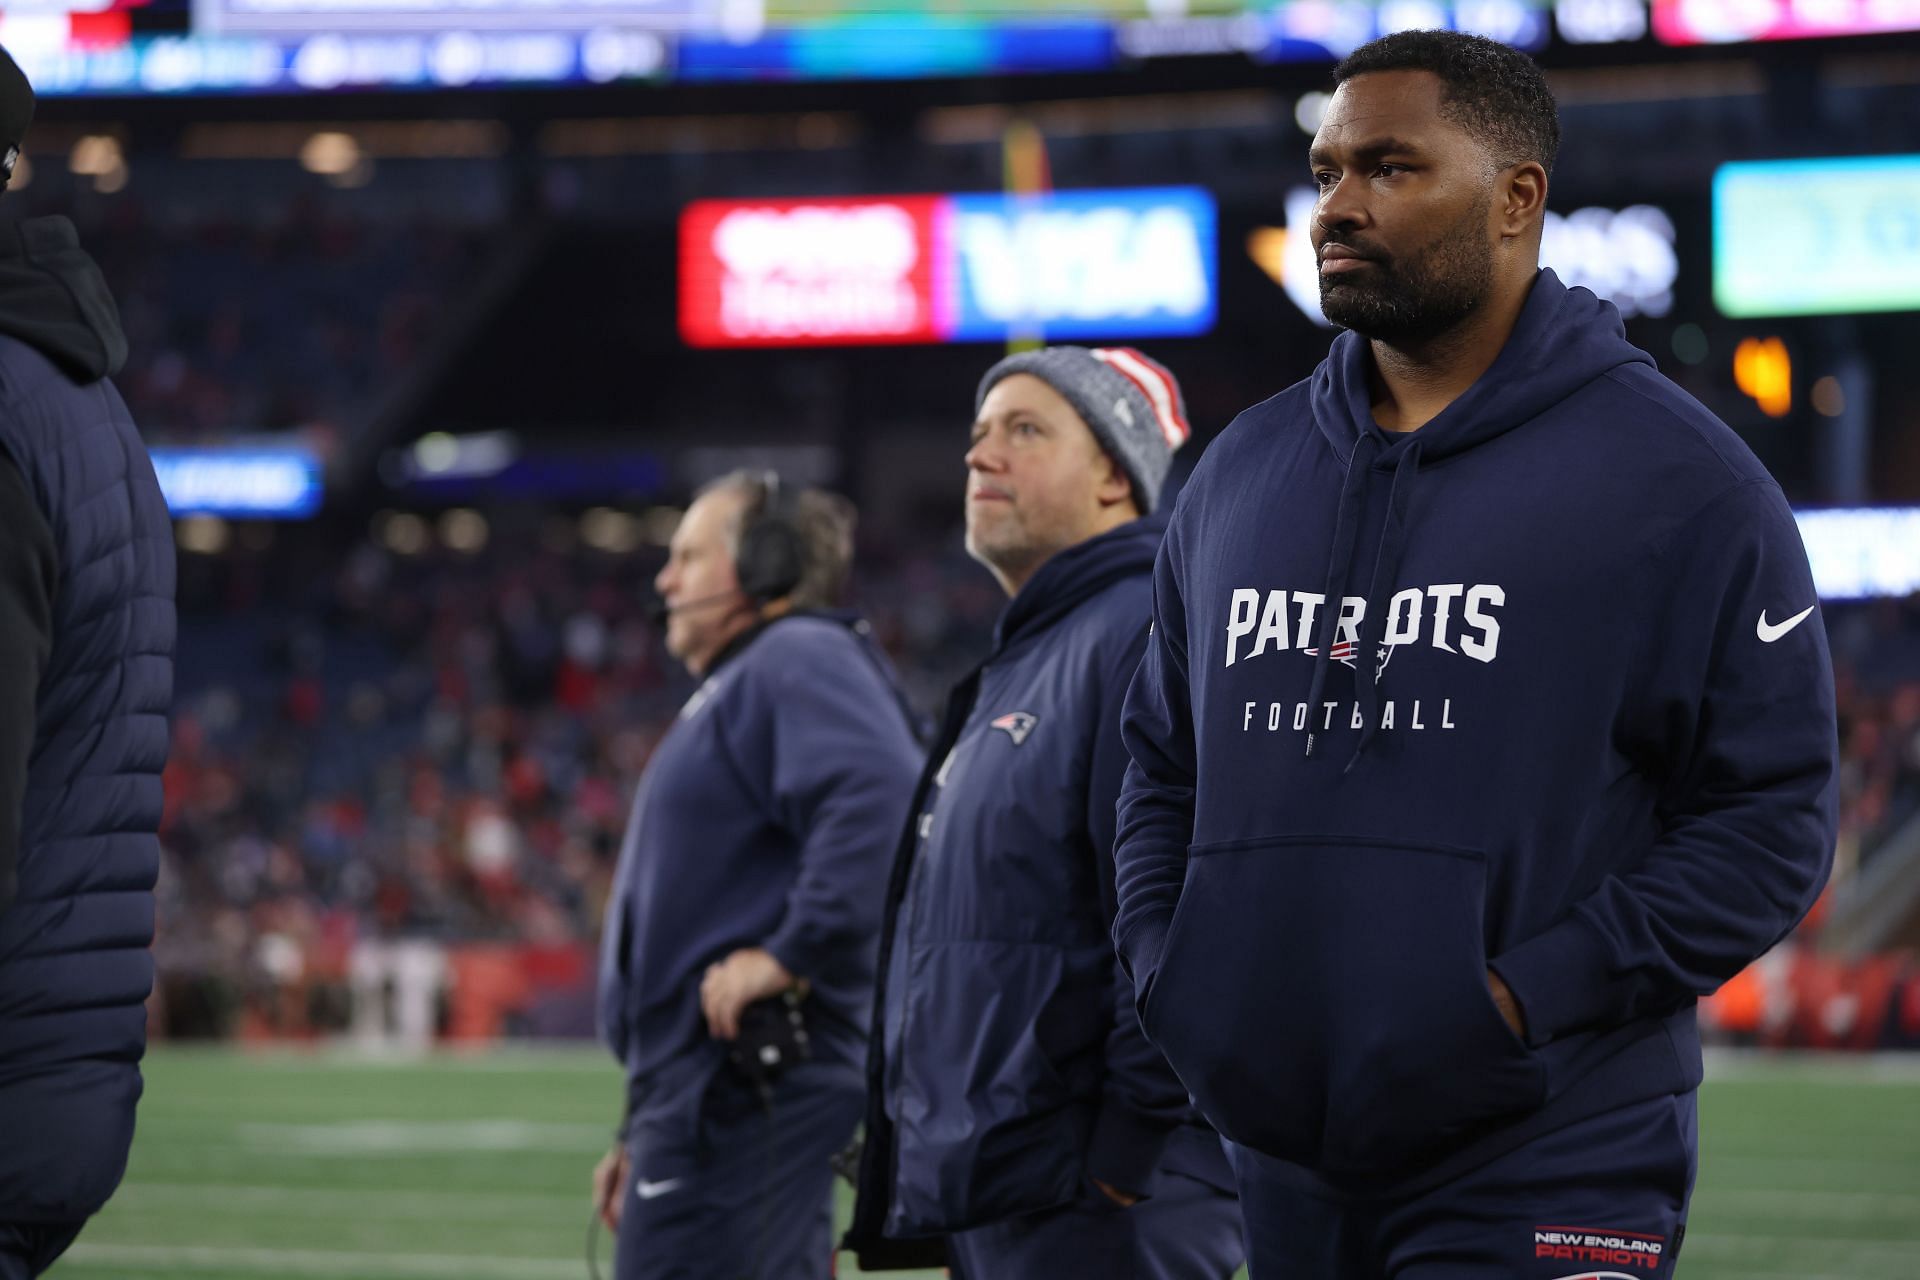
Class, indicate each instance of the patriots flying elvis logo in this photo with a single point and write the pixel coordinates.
(1018, 725)
(1346, 651)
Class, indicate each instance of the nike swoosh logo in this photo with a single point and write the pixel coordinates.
(1771, 631)
(648, 1190)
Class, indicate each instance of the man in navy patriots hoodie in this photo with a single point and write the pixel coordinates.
(753, 871)
(1015, 1106)
(1486, 724)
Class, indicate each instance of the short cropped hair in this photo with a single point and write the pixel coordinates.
(1495, 92)
(825, 522)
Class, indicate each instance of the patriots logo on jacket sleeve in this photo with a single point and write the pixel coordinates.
(1018, 725)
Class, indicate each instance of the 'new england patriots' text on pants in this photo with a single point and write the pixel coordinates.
(1605, 1197)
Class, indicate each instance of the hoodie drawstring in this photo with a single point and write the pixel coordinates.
(1346, 529)
(1368, 667)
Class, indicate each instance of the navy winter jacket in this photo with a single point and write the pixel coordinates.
(765, 819)
(1541, 687)
(75, 959)
(1009, 1064)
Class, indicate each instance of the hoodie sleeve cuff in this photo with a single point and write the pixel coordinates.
(1142, 949)
(791, 949)
(1125, 1149)
(1562, 979)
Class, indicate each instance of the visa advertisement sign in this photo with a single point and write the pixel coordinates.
(1817, 237)
(1127, 263)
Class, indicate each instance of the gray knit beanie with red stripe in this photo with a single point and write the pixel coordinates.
(1130, 403)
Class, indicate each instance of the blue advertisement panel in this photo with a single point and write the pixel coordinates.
(256, 484)
(1135, 263)
(1858, 553)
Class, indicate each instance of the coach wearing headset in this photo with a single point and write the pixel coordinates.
(737, 959)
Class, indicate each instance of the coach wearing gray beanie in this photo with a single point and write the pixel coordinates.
(1020, 1113)
(1130, 403)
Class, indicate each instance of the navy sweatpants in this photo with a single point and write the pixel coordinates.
(759, 1204)
(1187, 1230)
(1602, 1198)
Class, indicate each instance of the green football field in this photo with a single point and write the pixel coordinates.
(290, 1167)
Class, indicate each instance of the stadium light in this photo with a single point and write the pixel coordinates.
(202, 535)
(1310, 110)
(464, 530)
(1763, 370)
(614, 532)
(403, 534)
(95, 154)
(657, 524)
(330, 153)
(1828, 397)
(99, 156)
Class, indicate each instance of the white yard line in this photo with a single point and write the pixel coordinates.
(360, 1138)
(582, 1056)
(372, 1202)
(1873, 1206)
(200, 1260)
(1862, 1259)
(1786, 1172)
(1797, 1065)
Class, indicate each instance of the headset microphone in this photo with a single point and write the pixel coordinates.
(659, 611)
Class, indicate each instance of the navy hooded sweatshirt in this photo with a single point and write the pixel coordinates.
(1008, 1063)
(1540, 687)
(766, 818)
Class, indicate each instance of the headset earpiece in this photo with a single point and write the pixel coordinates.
(771, 559)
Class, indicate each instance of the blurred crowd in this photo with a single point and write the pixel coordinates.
(437, 745)
(239, 323)
(1877, 674)
(442, 744)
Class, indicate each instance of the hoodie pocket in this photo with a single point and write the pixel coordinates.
(1325, 1000)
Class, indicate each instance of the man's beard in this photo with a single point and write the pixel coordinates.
(1418, 298)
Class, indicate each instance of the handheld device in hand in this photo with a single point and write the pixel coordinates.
(773, 1036)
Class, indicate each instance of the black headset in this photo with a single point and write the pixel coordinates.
(772, 555)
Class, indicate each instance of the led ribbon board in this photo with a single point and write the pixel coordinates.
(259, 484)
(1133, 263)
(1862, 552)
(1817, 237)
(1688, 22)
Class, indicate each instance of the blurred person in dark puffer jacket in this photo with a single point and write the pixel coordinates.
(86, 676)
